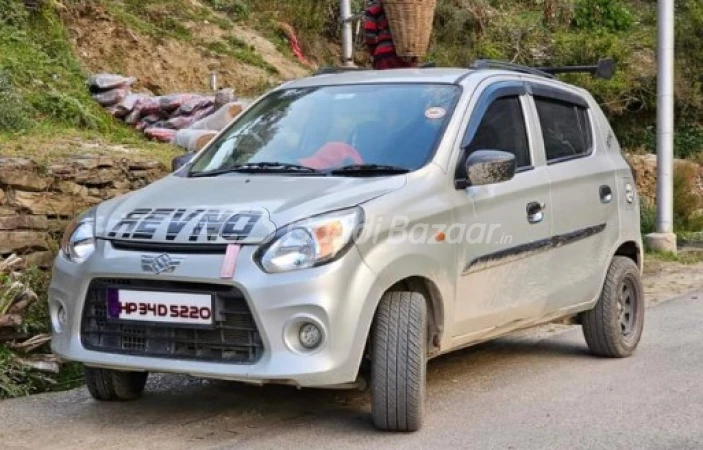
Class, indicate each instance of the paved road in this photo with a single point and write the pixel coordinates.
(535, 391)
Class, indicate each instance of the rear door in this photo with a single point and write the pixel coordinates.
(583, 184)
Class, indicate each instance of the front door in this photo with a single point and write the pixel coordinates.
(502, 272)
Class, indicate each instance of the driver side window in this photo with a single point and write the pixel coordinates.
(503, 128)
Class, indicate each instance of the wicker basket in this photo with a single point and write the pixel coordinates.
(410, 22)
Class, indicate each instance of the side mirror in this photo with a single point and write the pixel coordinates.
(490, 167)
(180, 161)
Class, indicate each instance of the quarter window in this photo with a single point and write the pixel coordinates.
(566, 129)
(503, 128)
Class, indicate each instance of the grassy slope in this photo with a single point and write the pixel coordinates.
(45, 109)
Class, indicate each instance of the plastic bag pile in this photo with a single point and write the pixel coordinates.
(187, 120)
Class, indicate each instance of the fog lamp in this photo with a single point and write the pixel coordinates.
(310, 335)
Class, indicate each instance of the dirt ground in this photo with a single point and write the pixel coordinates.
(663, 280)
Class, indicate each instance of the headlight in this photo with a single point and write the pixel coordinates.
(311, 242)
(78, 241)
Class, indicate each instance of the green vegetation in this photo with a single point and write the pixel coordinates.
(37, 66)
(687, 258)
(648, 218)
(688, 205)
(235, 9)
(610, 15)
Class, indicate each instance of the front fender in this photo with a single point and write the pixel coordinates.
(437, 285)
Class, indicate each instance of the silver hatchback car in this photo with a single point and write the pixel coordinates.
(348, 227)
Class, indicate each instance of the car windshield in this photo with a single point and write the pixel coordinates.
(310, 130)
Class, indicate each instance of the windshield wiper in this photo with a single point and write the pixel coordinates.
(369, 169)
(258, 167)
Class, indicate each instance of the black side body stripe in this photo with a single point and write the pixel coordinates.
(523, 251)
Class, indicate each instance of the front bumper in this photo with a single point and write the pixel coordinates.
(278, 302)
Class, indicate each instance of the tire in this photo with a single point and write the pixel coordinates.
(114, 385)
(399, 362)
(614, 327)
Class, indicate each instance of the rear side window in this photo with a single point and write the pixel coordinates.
(503, 128)
(566, 129)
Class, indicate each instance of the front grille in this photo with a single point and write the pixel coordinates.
(170, 247)
(233, 338)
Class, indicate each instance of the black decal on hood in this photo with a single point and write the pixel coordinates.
(148, 226)
(240, 225)
(176, 224)
(128, 223)
(212, 221)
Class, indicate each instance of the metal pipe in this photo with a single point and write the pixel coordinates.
(665, 119)
(347, 34)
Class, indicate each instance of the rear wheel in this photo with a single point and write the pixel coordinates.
(114, 385)
(399, 361)
(614, 327)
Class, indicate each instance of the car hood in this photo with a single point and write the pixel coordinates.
(230, 209)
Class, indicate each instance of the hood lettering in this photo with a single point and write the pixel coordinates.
(145, 223)
(148, 227)
(212, 221)
(176, 224)
(128, 223)
(239, 226)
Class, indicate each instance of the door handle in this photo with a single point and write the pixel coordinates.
(606, 194)
(535, 212)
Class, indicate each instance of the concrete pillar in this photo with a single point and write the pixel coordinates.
(347, 34)
(665, 239)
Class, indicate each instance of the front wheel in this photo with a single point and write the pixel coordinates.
(399, 361)
(614, 327)
(114, 385)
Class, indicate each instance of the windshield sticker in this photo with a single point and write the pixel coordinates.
(435, 113)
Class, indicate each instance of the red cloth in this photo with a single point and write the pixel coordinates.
(333, 154)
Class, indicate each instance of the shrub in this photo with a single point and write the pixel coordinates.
(14, 114)
(688, 204)
(648, 217)
(610, 15)
(688, 141)
(236, 9)
(12, 13)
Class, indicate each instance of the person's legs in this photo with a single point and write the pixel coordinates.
(394, 62)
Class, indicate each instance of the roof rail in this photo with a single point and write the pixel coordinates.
(605, 68)
(482, 64)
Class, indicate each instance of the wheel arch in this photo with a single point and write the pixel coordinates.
(435, 306)
(632, 250)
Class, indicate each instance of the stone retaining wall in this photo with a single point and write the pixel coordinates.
(645, 167)
(37, 201)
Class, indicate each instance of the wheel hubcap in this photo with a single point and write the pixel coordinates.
(627, 304)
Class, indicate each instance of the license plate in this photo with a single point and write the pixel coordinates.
(160, 307)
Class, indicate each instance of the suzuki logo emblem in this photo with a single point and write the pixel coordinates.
(160, 264)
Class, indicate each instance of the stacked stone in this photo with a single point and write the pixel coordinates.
(37, 201)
